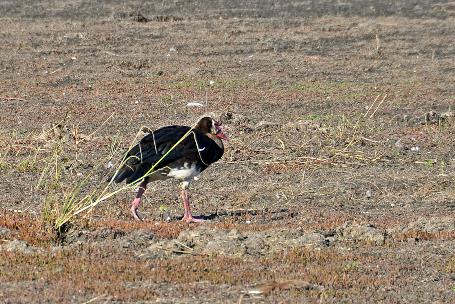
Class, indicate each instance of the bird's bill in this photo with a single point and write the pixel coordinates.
(219, 133)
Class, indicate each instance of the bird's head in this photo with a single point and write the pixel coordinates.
(209, 125)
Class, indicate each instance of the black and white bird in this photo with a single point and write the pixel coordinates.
(202, 146)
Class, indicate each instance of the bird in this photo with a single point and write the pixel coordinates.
(178, 152)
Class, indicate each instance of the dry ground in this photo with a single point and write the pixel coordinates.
(337, 184)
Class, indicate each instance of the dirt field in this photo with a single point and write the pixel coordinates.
(337, 184)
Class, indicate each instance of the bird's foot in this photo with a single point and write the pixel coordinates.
(134, 212)
(192, 219)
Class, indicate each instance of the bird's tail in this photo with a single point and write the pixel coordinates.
(129, 174)
(119, 176)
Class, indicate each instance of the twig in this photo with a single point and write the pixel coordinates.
(369, 139)
(283, 285)
(55, 71)
(113, 54)
(184, 246)
(371, 106)
(372, 114)
(102, 124)
(172, 251)
(12, 98)
(94, 299)
(282, 144)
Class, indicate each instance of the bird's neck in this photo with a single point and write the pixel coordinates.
(216, 139)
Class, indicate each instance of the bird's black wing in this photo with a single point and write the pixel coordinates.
(143, 156)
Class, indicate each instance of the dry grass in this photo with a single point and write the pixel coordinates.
(325, 110)
(90, 268)
(29, 228)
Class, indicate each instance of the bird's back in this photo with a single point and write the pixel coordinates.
(154, 151)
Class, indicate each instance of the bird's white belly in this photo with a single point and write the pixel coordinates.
(184, 173)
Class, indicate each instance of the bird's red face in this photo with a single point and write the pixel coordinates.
(218, 131)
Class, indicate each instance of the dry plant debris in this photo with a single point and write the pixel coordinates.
(337, 184)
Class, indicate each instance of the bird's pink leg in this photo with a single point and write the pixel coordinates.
(137, 200)
(187, 216)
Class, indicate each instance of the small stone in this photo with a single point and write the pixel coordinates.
(125, 244)
(265, 124)
(412, 240)
(447, 114)
(432, 225)
(4, 231)
(313, 239)
(234, 118)
(361, 233)
(18, 246)
(194, 104)
(399, 144)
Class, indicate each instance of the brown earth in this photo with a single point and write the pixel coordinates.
(337, 184)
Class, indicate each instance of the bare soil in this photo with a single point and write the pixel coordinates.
(337, 184)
